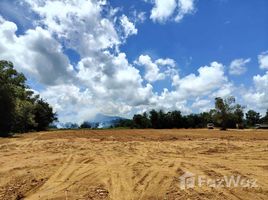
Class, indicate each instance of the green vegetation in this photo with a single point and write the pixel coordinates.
(226, 114)
(252, 118)
(20, 110)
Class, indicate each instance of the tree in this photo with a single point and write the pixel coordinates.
(12, 84)
(24, 116)
(85, 125)
(43, 115)
(124, 123)
(177, 120)
(20, 110)
(252, 118)
(154, 118)
(193, 121)
(239, 115)
(70, 125)
(7, 107)
(207, 117)
(223, 109)
(265, 118)
(161, 120)
(141, 121)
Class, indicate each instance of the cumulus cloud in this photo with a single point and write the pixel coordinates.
(103, 71)
(35, 53)
(261, 82)
(226, 90)
(210, 82)
(209, 79)
(129, 27)
(152, 71)
(164, 10)
(103, 77)
(184, 7)
(263, 60)
(79, 23)
(74, 104)
(166, 62)
(152, 68)
(112, 77)
(107, 84)
(238, 66)
(202, 105)
(167, 100)
(257, 97)
(67, 101)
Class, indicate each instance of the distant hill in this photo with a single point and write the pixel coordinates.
(99, 121)
(104, 121)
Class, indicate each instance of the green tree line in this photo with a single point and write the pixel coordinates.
(20, 110)
(226, 114)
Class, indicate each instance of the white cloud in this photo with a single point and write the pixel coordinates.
(76, 105)
(129, 27)
(79, 23)
(202, 105)
(167, 101)
(261, 82)
(113, 83)
(139, 17)
(224, 91)
(152, 68)
(69, 101)
(209, 79)
(113, 78)
(257, 97)
(152, 72)
(263, 60)
(166, 62)
(164, 10)
(103, 78)
(184, 7)
(35, 53)
(238, 66)
(210, 82)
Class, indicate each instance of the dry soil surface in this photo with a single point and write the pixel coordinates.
(134, 164)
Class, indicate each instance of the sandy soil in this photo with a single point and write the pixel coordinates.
(131, 164)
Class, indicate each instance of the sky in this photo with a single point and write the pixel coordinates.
(120, 58)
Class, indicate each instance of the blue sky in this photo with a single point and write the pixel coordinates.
(123, 57)
(218, 30)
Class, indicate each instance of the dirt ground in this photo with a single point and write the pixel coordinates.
(132, 164)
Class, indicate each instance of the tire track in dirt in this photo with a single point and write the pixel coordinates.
(140, 176)
(83, 168)
(67, 178)
(58, 178)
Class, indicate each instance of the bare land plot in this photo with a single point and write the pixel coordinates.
(131, 164)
